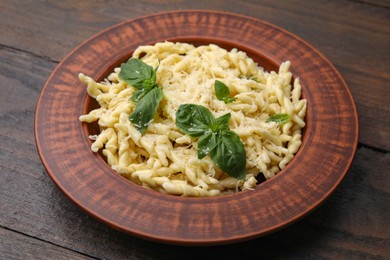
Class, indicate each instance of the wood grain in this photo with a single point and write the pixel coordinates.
(352, 223)
(18, 246)
(378, 3)
(354, 44)
(340, 228)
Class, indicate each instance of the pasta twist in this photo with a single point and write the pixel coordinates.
(165, 159)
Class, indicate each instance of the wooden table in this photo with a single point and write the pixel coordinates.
(38, 222)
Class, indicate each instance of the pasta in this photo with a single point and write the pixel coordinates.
(164, 158)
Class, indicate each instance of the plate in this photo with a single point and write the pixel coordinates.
(329, 141)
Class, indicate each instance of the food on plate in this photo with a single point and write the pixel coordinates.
(196, 121)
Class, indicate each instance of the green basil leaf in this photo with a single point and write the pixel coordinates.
(140, 93)
(206, 143)
(229, 155)
(222, 123)
(193, 119)
(135, 72)
(229, 100)
(224, 146)
(149, 84)
(145, 110)
(222, 92)
(279, 118)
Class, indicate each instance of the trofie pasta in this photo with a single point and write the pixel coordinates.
(165, 159)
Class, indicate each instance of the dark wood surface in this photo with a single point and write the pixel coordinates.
(37, 221)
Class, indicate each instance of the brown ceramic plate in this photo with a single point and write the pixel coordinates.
(329, 142)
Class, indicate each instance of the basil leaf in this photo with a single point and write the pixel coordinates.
(229, 100)
(145, 110)
(206, 143)
(224, 146)
(279, 118)
(222, 92)
(229, 155)
(135, 72)
(140, 93)
(194, 120)
(148, 84)
(222, 123)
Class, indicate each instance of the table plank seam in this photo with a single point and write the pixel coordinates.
(14, 49)
(376, 149)
(368, 3)
(49, 242)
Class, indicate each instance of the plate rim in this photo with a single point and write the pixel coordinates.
(183, 240)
